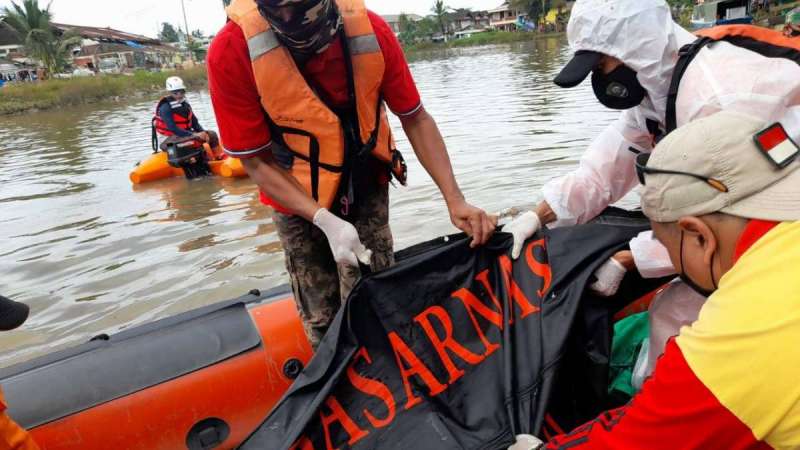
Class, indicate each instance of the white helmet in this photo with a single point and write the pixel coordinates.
(175, 84)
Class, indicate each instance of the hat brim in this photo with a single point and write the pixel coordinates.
(779, 202)
(579, 67)
(12, 314)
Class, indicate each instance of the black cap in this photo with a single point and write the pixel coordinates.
(578, 68)
(12, 314)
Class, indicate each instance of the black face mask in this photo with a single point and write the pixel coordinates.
(689, 282)
(620, 89)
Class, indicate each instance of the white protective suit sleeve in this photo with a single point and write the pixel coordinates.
(606, 173)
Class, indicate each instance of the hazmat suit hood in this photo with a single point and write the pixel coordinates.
(641, 34)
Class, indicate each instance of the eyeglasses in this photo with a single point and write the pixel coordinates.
(642, 169)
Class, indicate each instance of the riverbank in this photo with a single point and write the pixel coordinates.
(30, 97)
(486, 38)
(24, 97)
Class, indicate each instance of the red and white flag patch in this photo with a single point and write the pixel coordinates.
(777, 145)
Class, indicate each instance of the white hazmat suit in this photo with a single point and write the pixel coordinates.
(642, 34)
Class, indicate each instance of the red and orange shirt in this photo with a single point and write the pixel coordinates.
(731, 380)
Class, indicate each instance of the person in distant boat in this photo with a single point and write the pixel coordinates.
(301, 89)
(175, 121)
(727, 208)
(12, 436)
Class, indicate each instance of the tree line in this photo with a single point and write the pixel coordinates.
(41, 40)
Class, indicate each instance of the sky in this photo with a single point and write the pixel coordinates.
(144, 16)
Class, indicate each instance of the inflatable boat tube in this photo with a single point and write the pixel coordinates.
(156, 167)
(201, 380)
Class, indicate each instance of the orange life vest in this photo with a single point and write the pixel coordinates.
(181, 113)
(766, 42)
(301, 121)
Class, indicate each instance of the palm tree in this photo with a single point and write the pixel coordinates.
(43, 42)
(440, 10)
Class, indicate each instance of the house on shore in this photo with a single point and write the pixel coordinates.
(394, 20)
(505, 17)
(10, 43)
(104, 47)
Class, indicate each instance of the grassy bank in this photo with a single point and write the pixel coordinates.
(18, 98)
(49, 94)
(486, 38)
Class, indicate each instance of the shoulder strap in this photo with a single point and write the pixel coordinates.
(685, 57)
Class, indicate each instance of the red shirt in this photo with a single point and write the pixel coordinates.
(675, 409)
(240, 116)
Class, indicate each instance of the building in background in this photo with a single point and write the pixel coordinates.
(505, 17)
(465, 23)
(10, 43)
(394, 20)
(109, 50)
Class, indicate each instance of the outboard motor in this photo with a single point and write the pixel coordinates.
(188, 154)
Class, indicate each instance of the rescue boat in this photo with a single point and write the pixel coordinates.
(201, 380)
(157, 167)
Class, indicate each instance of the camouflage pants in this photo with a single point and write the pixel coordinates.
(321, 286)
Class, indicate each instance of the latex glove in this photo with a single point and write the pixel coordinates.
(522, 228)
(527, 442)
(609, 277)
(343, 239)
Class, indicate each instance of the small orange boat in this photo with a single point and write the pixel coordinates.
(202, 380)
(157, 167)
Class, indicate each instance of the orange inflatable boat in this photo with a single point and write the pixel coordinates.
(202, 380)
(157, 167)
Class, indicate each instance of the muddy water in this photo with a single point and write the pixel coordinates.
(91, 254)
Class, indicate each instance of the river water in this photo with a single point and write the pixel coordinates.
(91, 254)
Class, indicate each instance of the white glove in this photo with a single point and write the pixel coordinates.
(522, 228)
(609, 277)
(343, 239)
(527, 442)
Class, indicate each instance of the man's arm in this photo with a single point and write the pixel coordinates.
(279, 185)
(428, 144)
(196, 124)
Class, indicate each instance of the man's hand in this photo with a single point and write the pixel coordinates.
(343, 239)
(473, 221)
(522, 228)
(610, 275)
(202, 136)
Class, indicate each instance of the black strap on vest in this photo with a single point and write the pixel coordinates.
(688, 53)
(685, 57)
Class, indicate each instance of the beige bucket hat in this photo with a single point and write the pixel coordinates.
(725, 167)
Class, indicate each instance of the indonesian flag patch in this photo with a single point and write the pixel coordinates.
(776, 144)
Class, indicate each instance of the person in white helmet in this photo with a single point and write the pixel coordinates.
(631, 49)
(175, 119)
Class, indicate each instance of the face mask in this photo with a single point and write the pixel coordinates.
(689, 282)
(620, 89)
(310, 27)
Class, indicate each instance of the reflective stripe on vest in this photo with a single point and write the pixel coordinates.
(262, 43)
(360, 45)
(302, 121)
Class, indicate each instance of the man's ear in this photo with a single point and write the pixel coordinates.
(698, 233)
